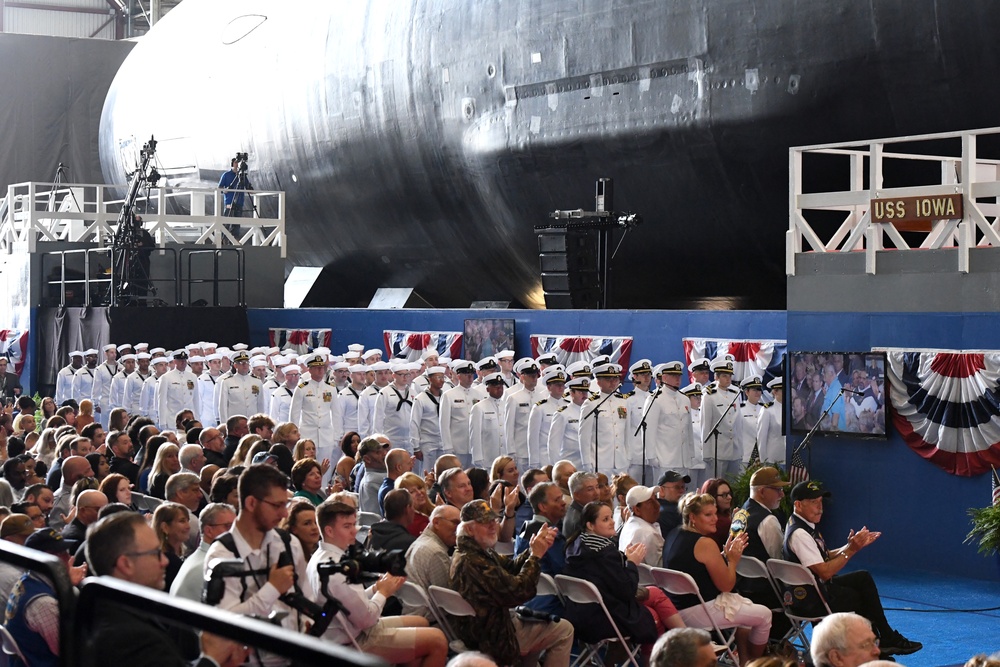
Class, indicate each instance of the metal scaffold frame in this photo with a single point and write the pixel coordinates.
(87, 213)
(964, 173)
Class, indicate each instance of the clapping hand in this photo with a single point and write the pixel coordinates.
(542, 540)
(733, 550)
(635, 552)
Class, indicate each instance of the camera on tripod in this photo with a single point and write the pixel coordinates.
(241, 159)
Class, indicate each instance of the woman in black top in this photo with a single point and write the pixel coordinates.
(697, 554)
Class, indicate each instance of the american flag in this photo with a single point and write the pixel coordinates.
(797, 472)
(754, 457)
(995, 481)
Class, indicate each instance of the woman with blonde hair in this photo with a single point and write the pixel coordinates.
(172, 523)
(415, 485)
(23, 424)
(306, 449)
(243, 448)
(696, 553)
(165, 465)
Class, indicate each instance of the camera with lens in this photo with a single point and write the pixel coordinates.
(358, 566)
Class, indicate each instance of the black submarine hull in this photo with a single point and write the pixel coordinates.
(420, 142)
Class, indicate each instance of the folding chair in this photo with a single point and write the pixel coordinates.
(584, 592)
(646, 575)
(504, 548)
(368, 518)
(681, 583)
(547, 586)
(450, 603)
(413, 595)
(794, 575)
(9, 645)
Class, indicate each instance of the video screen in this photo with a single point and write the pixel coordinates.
(484, 338)
(850, 384)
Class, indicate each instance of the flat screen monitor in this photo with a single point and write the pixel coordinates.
(485, 337)
(815, 381)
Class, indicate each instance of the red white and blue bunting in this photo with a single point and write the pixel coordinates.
(14, 346)
(763, 358)
(576, 348)
(302, 341)
(945, 405)
(410, 345)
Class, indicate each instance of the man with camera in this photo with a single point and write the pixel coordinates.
(397, 639)
(273, 562)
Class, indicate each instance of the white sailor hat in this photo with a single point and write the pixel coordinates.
(414, 366)
(124, 346)
(434, 369)
(90, 353)
(358, 368)
(272, 351)
(372, 352)
(159, 360)
(224, 351)
(444, 361)
(552, 375)
(399, 366)
(76, 353)
(322, 350)
(292, 368)
(127, 357)
(356, 347)
(463, 366)
(752, 382)
(579, 369)
(192, 346)
(672, 368)
(487, 362)
(257, 351)
(641, 366)
(241, 346)
(693, 389)
(381, 366)
(776, 383)
(280, 360)
(429, 352)
(351, 356)
(335, 360)
(722, 365)
(580, 383)
(505, 354)
(196, 359)
(143, 355)
(607, 370)
(258, 357)
(141, 346)
(289, 353)
(154, 351)
(547, 358)
(525, 365)
(493, 379)
(258, 362)
(341, 366)
(215, 356)
(699, 364)
(109, 347)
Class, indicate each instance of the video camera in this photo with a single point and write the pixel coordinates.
(369, 564)
(241, 159)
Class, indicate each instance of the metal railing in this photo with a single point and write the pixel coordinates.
(215, 280)
(89, 213)
(862, 166)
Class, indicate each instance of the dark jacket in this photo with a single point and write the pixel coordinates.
(492, 584)
(390, 535)
(124, 467)
(617, 579)
(74, 534)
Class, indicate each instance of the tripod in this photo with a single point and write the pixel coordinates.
(238, 187)
(131, 244)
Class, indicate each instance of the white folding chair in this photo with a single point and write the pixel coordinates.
(547, 586)
(368, 518)
(504, 548)
(450, 603)
(584, 592)
(646, 575)
(410, 594)
(681, 583)
(787, 575)
(9, 645)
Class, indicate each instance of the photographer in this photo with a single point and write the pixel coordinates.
(231, 179)
(263, 549)
(397, 639)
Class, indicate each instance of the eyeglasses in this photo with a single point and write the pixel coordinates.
(277, 506)
(152, 552)
(727, 494)
(227, 524)
(870, 644)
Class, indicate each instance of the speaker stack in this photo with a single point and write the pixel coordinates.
(569, 263)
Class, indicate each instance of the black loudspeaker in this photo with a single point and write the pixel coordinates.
(570, 277)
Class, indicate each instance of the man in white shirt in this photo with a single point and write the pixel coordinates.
(517, 404)
(485, 433)
(643, 526)
(397, 639)
(101, 389)
(281, 399)
(366, 402)
(456, 406)
(64, 379)
(176, 390)
(770, 439)
(540, 417)
(425, 419)
(350, 396)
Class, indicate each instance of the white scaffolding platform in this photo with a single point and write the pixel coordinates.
(961, 172)
(36, 212)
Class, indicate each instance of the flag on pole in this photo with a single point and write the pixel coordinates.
(754, 456)
(797, 472)
(996, 487)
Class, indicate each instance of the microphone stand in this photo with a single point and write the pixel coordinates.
(642, 427)
(715, 431)
(597, 433)
(806, 441)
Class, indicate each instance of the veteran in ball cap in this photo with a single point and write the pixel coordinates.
(720, 405)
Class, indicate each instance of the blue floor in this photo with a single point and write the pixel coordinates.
(923, 601)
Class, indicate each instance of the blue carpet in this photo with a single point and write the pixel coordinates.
(920, 605)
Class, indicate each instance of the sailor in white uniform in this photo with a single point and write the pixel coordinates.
(517, 403)
(64, 378)
(425, 418)
(540, 417)
(83, 380)
(769, 435)
(669, 434)
(281, 399)
(176, 390)
(720, 401)
(564, 432)
(485, 428)
(456, 405)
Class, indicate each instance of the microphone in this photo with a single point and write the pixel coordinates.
(529, 614)
(852, 391)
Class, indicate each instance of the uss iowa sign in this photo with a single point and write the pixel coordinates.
(916, 214)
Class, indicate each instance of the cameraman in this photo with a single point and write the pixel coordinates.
(230, 180)
(255, 539)
(396, 639)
